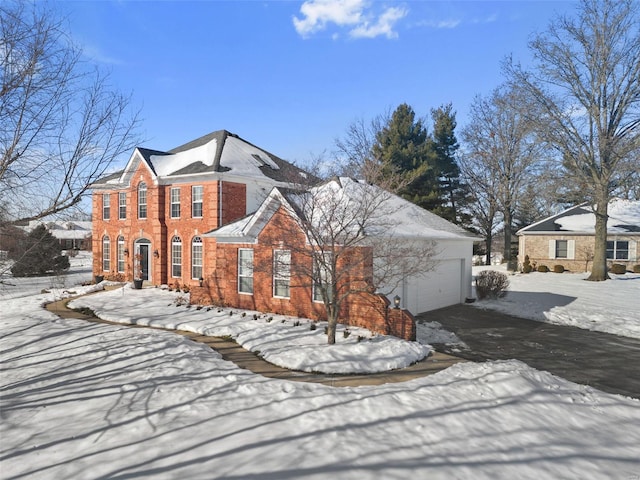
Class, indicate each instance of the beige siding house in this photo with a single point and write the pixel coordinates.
(567, 238)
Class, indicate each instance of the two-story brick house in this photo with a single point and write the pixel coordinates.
(149, 218)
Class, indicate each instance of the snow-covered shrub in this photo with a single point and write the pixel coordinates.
(491, 284)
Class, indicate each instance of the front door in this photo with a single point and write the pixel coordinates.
(144, 260)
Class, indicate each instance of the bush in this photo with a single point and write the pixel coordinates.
(618, 269)
(636, 269)
(491, 284)
(526, 266)
(543, 268)
(558, 268)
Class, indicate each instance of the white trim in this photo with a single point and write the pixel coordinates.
(552, 249)
(633, 250)
(571, 249)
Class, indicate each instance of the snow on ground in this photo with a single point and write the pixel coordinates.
(284, 341)
(85, 400)
(612, 306)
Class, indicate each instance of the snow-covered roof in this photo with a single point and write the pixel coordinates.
(64, 229)
(624, 218)
(219, 153)
(335, 201)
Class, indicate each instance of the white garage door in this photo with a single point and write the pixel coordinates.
(438, 289)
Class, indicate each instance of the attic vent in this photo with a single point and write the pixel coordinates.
(265, 162)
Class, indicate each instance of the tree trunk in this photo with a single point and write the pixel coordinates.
(599, 264)
(489, 241)
(507, 235)
(332, 320)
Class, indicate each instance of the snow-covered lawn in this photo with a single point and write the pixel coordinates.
(83, 400)
(612, 306)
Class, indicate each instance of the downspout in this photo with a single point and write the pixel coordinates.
(219, 203)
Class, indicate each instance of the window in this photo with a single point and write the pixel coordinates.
(106, 253)
(281, 273)
(121, 254)
(196, 258)
(618, 250)
(106, 206)
(142, 200)
(561, 248)
(122, 205)
(196, 201)
(175, 202)
(321, 276)
(245, 270)
(176, 257)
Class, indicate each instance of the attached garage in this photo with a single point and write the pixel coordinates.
(439, 288)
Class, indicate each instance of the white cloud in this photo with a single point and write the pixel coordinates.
(449, 23)
(317, 15)
(383, 26)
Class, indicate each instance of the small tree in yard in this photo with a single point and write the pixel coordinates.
(491, 284)
(41, 254)
(345, 244)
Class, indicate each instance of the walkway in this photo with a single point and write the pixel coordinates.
(233, 352)
(608, 362)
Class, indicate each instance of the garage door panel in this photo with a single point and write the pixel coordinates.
(439, 288)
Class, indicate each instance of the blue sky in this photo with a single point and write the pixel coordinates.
(291, 76)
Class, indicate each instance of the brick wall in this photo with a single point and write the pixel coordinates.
(159, 227)
(363, 309)
(537, 247)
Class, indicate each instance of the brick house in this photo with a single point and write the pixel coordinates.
(567, 238)
(148, 219)
(246, 258)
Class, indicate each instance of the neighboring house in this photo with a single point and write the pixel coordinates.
(567, 238)
(151, 216)
(72, 234)
(242, 249)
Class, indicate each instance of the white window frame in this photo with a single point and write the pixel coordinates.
(106, 253)
(121, 262)
(176, 257)
(197, 197)
(282, 272)
(106, 206)
(245, 271)
(323, 275)
(122, 205)
(142, 200)
(615, 250)
(174, 208)
(571, 249)
(197, 260)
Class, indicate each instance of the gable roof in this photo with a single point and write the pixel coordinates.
(217, 153)
(405, 218)
(624, 218)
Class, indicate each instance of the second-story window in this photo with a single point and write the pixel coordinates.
(106, 206)
(175, 202)
(196, 201)
(142, 200)
(122, 205)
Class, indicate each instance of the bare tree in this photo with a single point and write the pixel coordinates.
(62, 124)
(501, 155)
(342, 242)
(584, 93)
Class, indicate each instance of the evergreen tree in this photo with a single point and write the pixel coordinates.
(41, 255)
(453, 194)
(403, 148)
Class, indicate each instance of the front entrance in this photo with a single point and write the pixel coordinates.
(143, 248)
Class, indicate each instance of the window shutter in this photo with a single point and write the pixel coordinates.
(633, 248)
(552, 249)
(571, 249)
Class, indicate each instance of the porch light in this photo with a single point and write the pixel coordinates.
(126, 252)
(156, 254)
(201, 280)
(396, 301)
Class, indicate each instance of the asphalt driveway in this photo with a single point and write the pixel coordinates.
(608, 362)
